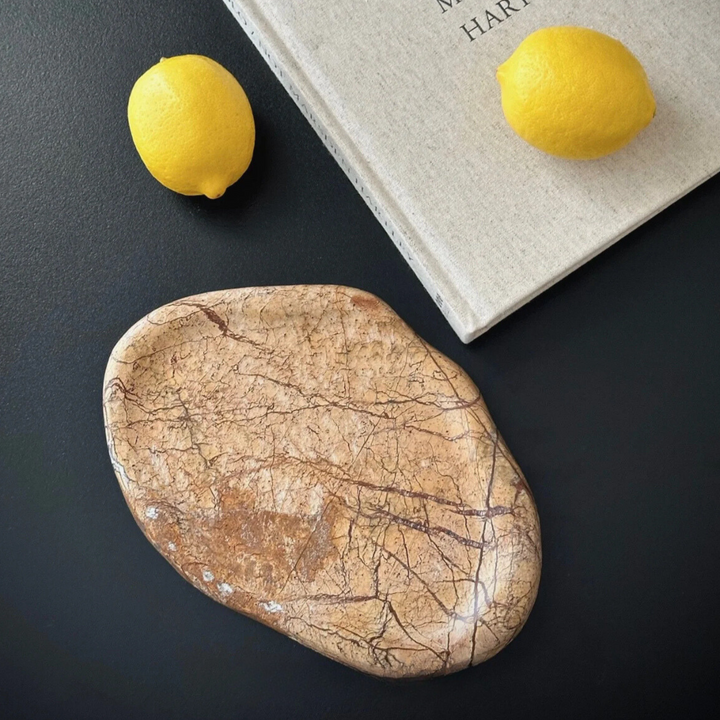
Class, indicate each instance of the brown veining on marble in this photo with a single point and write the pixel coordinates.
(300, 455)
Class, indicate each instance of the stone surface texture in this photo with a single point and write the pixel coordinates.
(302, 456)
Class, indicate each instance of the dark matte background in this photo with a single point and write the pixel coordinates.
(606, 388)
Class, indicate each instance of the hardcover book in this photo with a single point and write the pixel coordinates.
(404, 95)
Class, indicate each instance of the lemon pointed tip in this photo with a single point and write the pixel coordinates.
(213, 193)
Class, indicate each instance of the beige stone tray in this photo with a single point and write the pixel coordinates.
(300, 455)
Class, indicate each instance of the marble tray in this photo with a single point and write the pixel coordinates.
(300, 455)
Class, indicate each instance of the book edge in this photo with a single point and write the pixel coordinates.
(371, 190)
(590, 256)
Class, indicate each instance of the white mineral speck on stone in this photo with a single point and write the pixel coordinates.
(225, 589)
(172, 546)
(151, 512)
(208, 576)
(272, 606)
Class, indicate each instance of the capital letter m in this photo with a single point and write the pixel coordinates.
(446, 5)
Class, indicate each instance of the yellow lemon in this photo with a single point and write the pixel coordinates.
(192, 124)
(575, 92)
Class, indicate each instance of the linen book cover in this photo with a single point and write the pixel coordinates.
(404, 95)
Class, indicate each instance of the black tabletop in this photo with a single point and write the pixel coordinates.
(606, 388)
